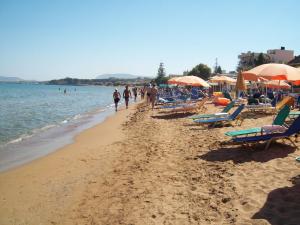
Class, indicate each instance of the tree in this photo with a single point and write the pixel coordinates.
(252, 60)
(161, 75)
(262, 59)
(202, 71)
(218, 70)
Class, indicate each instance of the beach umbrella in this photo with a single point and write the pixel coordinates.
(275, 84)
(273, 71)
(240, 83)
(222, 79)
(189, 80)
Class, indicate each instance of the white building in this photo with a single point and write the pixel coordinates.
(280, 55)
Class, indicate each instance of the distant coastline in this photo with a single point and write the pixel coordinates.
(100, 82)
(111, 81)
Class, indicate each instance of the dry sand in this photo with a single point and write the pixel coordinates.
(147, 167)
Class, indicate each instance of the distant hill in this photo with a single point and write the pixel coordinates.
(117, 76)
(10, 79)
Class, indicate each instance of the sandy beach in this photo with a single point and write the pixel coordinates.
(148, 167)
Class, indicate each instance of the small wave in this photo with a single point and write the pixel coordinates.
(19, 139)
(65, 121)
(47, 127)
(15, 141)
(35, 131)
(76, 117)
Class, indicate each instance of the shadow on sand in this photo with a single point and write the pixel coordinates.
(171, 116)
(240, 154)
(282, 206)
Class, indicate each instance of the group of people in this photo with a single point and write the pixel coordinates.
(151, 92)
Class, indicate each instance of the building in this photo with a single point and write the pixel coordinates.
(249, 59)
(281, 55)
(295, 62)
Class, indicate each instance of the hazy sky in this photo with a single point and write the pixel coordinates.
(46, 39)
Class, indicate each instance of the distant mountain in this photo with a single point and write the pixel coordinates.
(10, 79)
(117, 76)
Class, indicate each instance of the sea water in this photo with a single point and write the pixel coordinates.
(35, 119)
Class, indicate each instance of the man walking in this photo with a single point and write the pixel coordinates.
(126, 95)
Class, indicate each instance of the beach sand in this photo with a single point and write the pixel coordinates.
(148, 167)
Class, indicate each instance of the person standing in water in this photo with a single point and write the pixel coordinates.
(126, 95)
(117, 97)
(153, 95)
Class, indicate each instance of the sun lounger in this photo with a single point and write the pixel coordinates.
(288, 100)
(223, 113)
(278, 121)
(261, 107)
(228, 118)
(294, 129)
(190, 107)
(294, 114)
(267, 107)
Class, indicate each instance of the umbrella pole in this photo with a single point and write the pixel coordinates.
(266, 93)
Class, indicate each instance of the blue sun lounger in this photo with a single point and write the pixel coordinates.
(228, 118)
(223, 113)
(294, 129)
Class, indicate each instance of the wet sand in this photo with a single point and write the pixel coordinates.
(148, 167)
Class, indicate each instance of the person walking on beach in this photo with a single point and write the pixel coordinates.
(134, 90)
(142, 92)
(148, 90)
(126, 95)
(117, 97)
(153, 94)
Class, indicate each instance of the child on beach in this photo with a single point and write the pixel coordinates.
(126, 95)
(117, 97)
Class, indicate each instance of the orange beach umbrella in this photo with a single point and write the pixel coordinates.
(222, 79)
(273, 71)
(188, 80)
(276, 84)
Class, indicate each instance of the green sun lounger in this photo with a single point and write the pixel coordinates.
(222, 113)
(279, 120)
(293, 130)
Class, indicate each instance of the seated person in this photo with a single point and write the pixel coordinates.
(257, 94)
(253, 101)
(270, 94)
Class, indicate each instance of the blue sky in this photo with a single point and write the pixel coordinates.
(50, 39)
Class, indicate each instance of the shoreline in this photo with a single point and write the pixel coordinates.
(40, 144)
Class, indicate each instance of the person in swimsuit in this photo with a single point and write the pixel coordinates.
(117, 97)
(126, 95)
(142, 92)
(148, 90)
(153, 94)
(135, 91)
